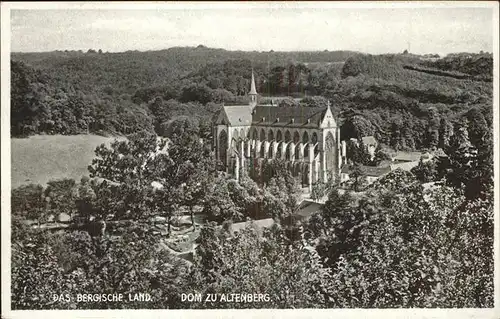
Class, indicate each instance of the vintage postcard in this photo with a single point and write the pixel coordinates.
(250, 159)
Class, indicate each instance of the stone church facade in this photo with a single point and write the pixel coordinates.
(307, 138)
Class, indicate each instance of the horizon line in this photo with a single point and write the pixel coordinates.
(201, 46)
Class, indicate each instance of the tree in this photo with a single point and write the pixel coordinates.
(351, 67)
(433, 125)
(281, 189)
(470, 167)
(197, 92)
(396, 179)
(195, 164)
(445, 130)
(425, 172)
(281, 197)
(219, 206)
(85, 199)
(221, 96)
(318, 190)
(408, 135)
(247, 195)
(357, 153)
(314, 101)
(61, 195)
(396, 135)
(182, 126)
(45, 264)
(26, 99)
(290, 274)
(401, 246)
(287, 102)
(129, 168)
(29, 202)
(358, 175)
(480, 133)
(335, 205)
(356, 126)
(278, 82)
(380, 155)
(36, 274)
(361, 154)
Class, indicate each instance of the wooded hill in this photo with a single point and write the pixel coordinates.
(400, 98)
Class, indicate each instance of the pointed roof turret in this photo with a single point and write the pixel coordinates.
(253, 91)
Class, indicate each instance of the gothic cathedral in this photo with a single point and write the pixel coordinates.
(307, 138)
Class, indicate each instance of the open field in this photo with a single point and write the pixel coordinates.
(41, 158)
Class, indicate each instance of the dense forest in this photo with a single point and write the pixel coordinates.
(404, 100)
(118, 93)
(422, 238)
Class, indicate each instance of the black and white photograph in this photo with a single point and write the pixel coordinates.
(284, 156)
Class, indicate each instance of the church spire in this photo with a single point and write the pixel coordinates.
(253, 92)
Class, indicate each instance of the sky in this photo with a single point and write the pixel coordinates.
(439, 30)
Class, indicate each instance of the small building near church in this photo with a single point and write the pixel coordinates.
(370, 144)
(371, 173)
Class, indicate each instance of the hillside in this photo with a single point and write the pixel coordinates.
(131, 70)
(403, 105)
(75, 92)
(400, 98)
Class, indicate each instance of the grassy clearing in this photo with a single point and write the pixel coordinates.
(41, 158)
